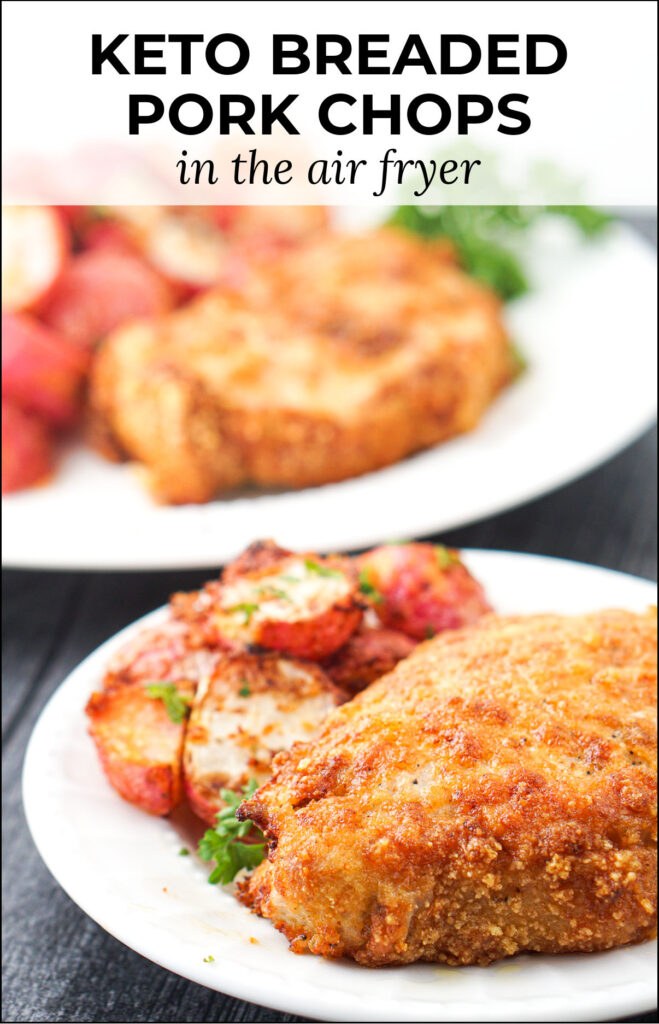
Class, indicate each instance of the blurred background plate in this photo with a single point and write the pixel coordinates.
(122, 868)
(588, 330)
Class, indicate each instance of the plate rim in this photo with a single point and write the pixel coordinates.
(307, 998)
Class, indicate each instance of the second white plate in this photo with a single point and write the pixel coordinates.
(588, 330)
(122, 867)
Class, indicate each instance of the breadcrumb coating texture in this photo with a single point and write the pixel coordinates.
(495, 793)
(345, 354)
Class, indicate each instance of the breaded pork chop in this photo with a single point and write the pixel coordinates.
(494, 793)
(345, 354)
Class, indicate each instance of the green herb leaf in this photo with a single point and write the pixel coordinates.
(320, 570)
(244, 690)
(368, 589)
(445, 557)
(247, 610)
(588, 219)
(222, 844)
(209, 959)
(184, 852)
(176, 704)
(269, 591)
(483, 236)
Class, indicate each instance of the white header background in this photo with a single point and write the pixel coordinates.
(592, 137)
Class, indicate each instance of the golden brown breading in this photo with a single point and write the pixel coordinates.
(345, 354)
(494, 793)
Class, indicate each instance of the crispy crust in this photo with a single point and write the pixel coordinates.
(494, 793)
(343, 355)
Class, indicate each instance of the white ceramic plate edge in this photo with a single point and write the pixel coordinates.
(305, 998)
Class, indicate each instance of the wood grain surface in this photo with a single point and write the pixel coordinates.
(60, 966)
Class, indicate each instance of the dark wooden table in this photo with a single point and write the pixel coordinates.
(59, 965)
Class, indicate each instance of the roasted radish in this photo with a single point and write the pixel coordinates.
(27, 448)
(249, 709)
(40, 370)
(138, 731)
(304, 606)
(368, 654)
(159, 653)
(421, 589)
(35, 248)
(101, 289)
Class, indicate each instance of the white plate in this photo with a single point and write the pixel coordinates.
(122, 867)
(588, 329)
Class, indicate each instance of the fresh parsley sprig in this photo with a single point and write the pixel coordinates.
(222, 843)
(246, 608)
(482, 235)
(176, 704)
(273, 592)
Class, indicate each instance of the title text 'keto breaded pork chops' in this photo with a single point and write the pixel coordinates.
(495, 793)
(345, 354)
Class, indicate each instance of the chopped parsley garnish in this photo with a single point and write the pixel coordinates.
(244, 690)
(445, 557)
(184, 852)
(368, 589)
(320, 570)
(222, 843)
(246, 608)
(176, 704)
(269, 591)
(210, 959)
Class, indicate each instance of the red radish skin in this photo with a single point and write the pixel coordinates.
(40, 371)
(314, 640)
(100, 290)
(108, 234)
(312, 629)
(27, 449)
(421, 589)
(139, 746)
(203, 808)
(369, 654)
